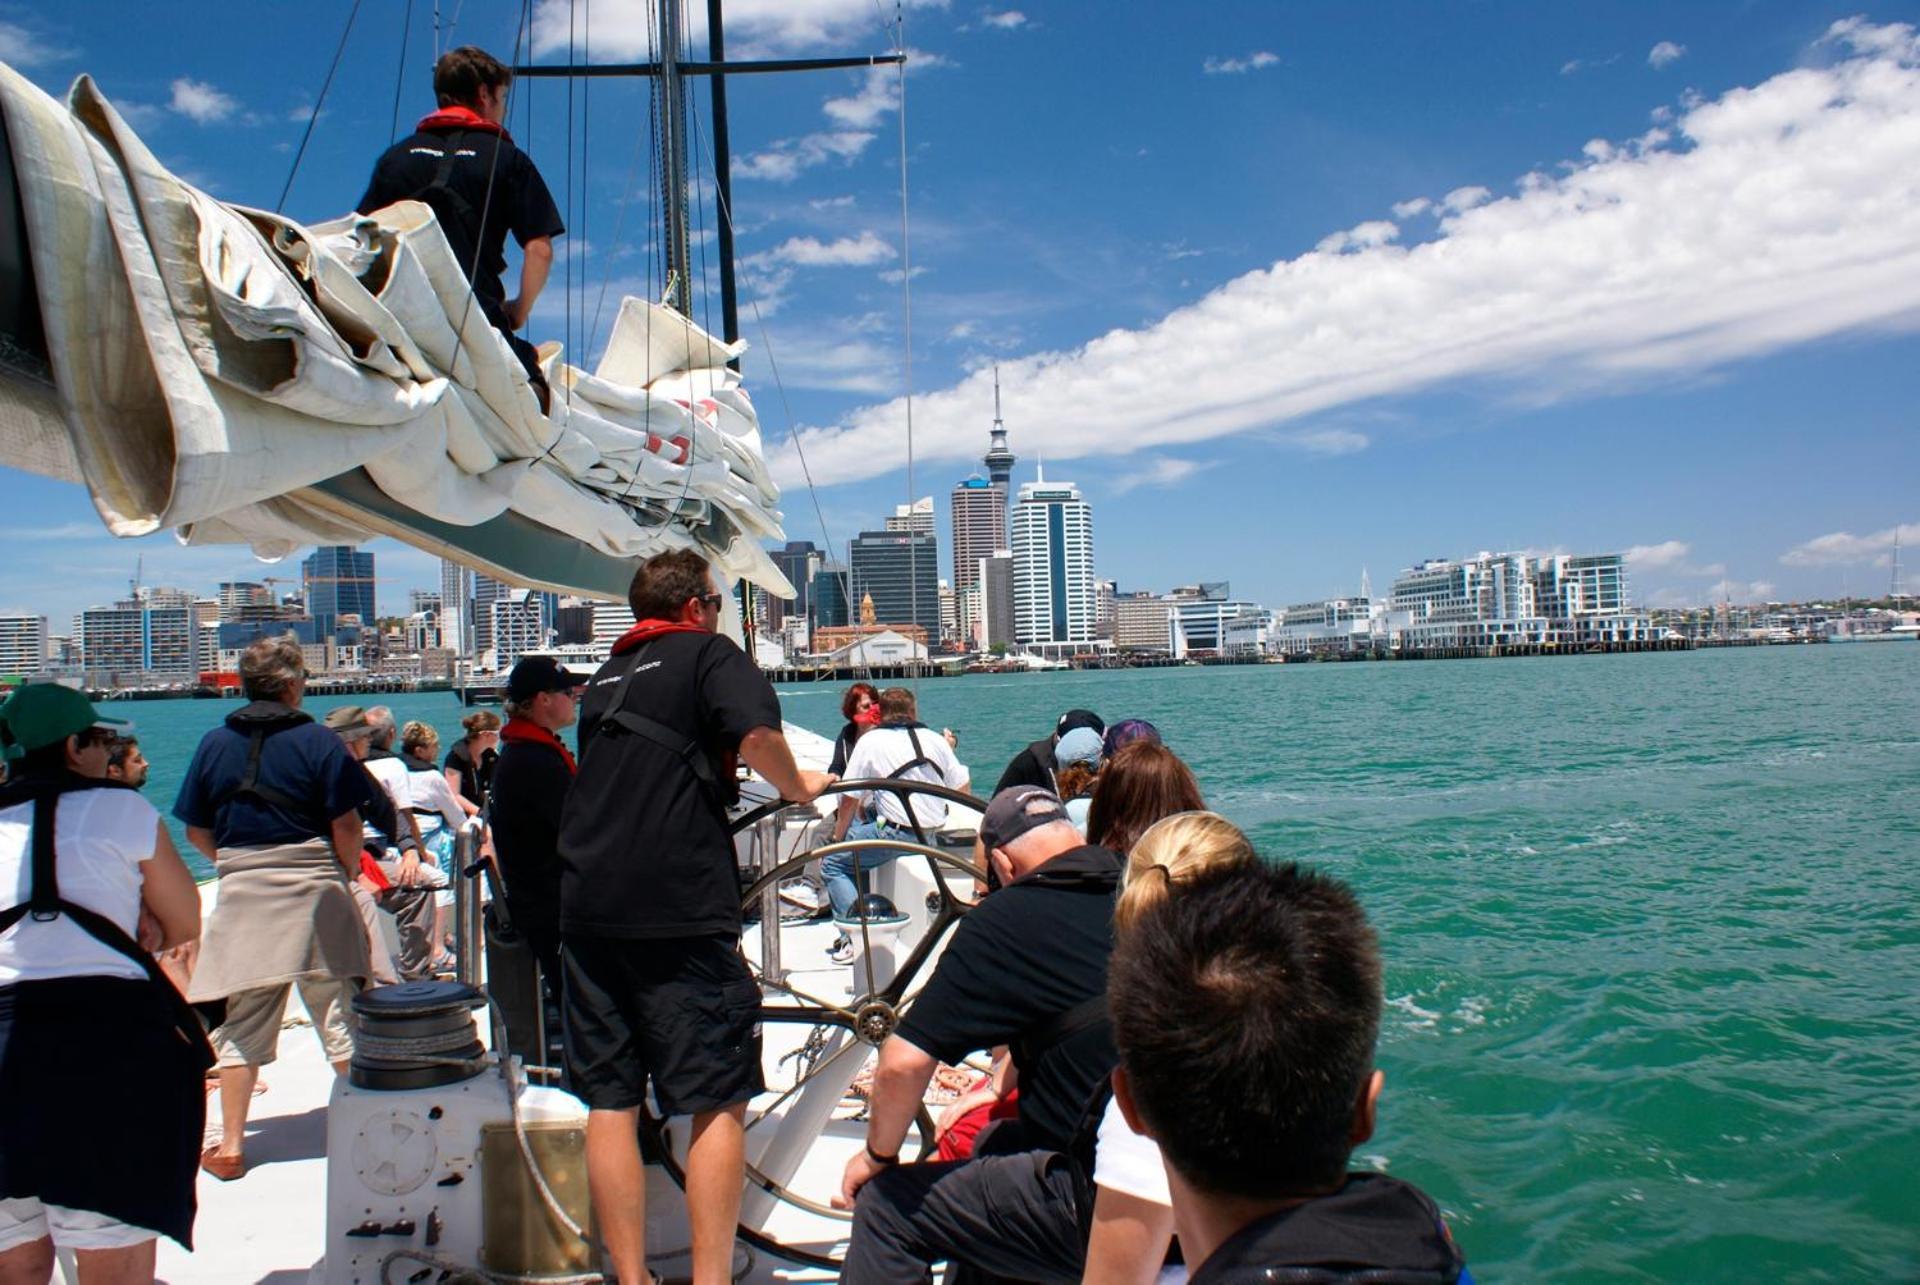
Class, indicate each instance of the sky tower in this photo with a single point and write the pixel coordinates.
(999, 459)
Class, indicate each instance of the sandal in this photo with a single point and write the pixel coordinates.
(225, 1168)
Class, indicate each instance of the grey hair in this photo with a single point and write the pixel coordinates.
(270, 665)
(380, 718)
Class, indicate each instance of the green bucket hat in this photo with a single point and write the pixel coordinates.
(42, 714)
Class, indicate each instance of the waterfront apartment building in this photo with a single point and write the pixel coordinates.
(338, 580)
(1333, 626)
(900, 572)
(1504, 599)
(133, 642)
(1053, 584)
(1142, 623)
(23, 645)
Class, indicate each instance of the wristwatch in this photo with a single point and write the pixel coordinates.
(882, 1161)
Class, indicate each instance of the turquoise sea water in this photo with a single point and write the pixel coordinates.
(1650, 924)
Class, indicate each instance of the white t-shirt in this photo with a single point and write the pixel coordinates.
(1125, 1162)
(884, 750)
(100, 839)
(430, 791)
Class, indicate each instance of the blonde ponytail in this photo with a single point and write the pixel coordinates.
(1172, 850)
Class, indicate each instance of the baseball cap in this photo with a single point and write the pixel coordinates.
(536, 674)
(1081, 745)
(42, 714)
(350, 721)
(1127, 731)
(1016, 810)
(1078, 718)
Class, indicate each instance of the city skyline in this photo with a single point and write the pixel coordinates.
(1659, 362)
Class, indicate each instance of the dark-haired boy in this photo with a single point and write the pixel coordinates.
(461, 161)
(1245, 1010)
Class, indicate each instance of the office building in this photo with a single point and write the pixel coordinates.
(338, 581)
(1142, 623)
(797, 562)
(1053, 582)
(610, 621)
(1199, 617)
(486, 592)
(828, 597)
(917, 516)
(521, 620)
(456, 608)
(996, 624)
(23, 645)
(898, 571)
(979, 528)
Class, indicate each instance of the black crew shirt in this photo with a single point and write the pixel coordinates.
(519, 201)
(644, 849)
(1030, 952)
(530, 786)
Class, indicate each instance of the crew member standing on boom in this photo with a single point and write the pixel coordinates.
(654, 985)
(462, 163)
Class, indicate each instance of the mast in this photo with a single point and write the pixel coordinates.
(723, 178)
(673, 169)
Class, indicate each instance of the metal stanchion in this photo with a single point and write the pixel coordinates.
(469, 936)
(766, 855)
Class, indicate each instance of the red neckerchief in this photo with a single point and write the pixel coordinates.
(528, 732)
(458, 117)
(648, 630)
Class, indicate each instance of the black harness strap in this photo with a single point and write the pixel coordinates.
(919, 759)
(45, 904)
(687, 749)
(250, 787)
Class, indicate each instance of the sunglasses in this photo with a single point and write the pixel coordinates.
(713, 600)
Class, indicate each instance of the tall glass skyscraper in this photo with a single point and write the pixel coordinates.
(1055, 597)
(338, 579)
(897, 569)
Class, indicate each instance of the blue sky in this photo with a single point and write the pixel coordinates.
(1290, 290)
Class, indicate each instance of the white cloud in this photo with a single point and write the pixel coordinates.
(879, 96)
(1010, 20)
(1779, 214)
(21, 47)
(1645, 557)
(1408, 209)
(1462, 199)
(1741, 592)
(1324, 441)
(860, 251)
(1365, 236)
(1162, 470)
(1257, 61)
(786, 159)
(621, 28)
(202, 103)
(1665, 54)
(1842, 547)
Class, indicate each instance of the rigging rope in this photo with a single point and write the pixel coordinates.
(400, 73)
(906, 310)
(319, 102)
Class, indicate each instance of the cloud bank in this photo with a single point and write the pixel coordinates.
(201, 103)
(1841, 548)
(1770, 216)
(622, 29)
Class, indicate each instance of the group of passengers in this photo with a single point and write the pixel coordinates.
(1183, 1031)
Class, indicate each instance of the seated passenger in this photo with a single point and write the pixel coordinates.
(1246, 1009)
(900, 748)
(1140, 784)
(1078, 759)
(1027, 968)
(1035, 765)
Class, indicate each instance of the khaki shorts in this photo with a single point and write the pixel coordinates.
(251, 1034)
(25, 1220)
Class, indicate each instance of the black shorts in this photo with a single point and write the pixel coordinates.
(683, 1012)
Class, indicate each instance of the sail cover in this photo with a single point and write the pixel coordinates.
(243, 378)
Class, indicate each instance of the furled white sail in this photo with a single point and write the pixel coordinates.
(240, 377)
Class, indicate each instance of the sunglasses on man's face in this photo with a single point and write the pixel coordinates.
(714, 600)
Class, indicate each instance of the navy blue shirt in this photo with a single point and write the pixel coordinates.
(299, 758)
